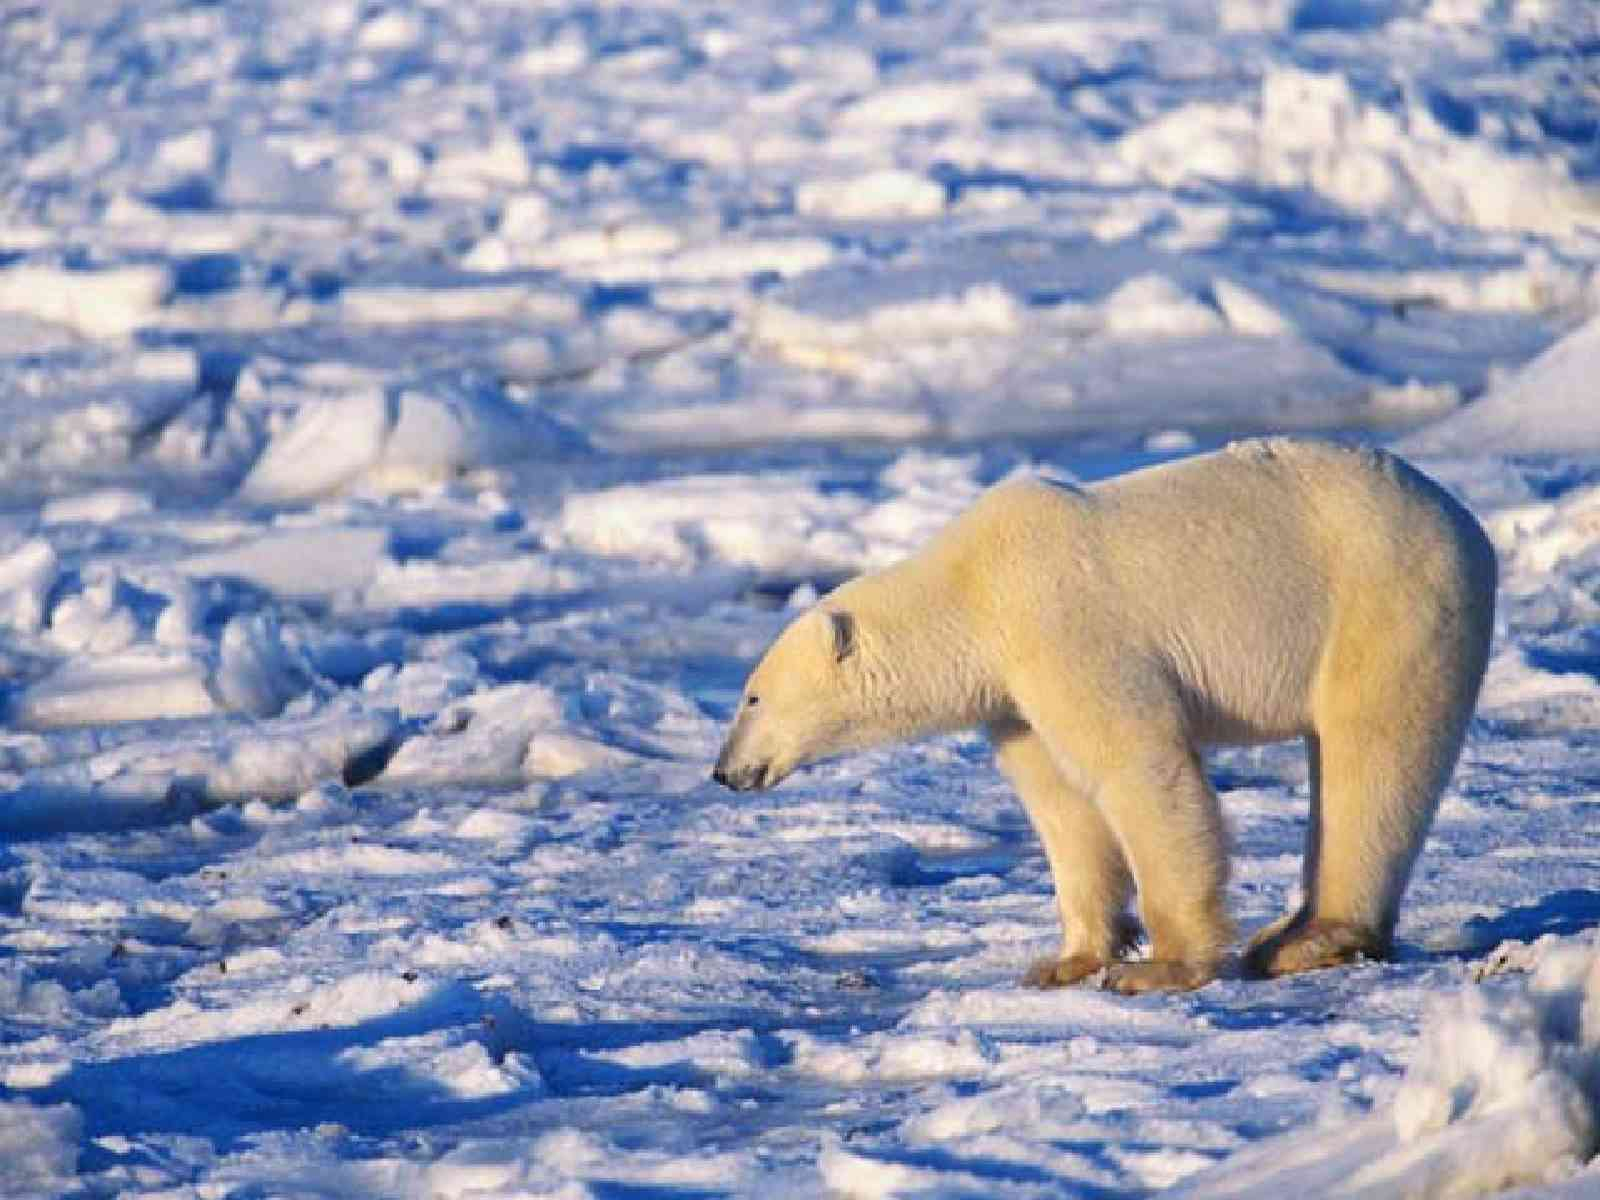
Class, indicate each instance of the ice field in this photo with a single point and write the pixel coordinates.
(416, 418)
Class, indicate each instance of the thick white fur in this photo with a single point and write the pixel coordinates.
(1276, 589)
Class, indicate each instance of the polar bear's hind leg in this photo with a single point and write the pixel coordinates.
(1370, 812)
(1389, 733)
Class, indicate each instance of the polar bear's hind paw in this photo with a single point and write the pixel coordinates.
(1312, 946)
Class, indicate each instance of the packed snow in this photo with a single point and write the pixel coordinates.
(415, 418)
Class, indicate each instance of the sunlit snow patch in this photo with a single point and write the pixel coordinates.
(1549, 406)
(779, 525)
(109, 303)
(1314, 132)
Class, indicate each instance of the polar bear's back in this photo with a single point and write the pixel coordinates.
(1341, 509)
(1238, 569)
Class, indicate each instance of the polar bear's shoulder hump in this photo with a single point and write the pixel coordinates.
(1027, 498)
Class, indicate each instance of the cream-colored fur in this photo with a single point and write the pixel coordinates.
(1276, 589)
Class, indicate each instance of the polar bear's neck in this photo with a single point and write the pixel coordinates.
(922, 667)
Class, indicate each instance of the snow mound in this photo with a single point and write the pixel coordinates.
(1520, 693)
(103, 506)
(1001, 336)
(894, 1057)
(1504, 1091)
(487, 737)
(1550, 406)
(395, 443)
(38, 1148)
(1155, 306)
(1505, 1087)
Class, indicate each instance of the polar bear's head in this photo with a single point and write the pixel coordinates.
(806, 700)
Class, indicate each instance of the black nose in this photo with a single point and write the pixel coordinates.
(744, 779)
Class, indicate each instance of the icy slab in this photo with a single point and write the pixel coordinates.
(104, 506)
(313, 561)
(28, 572)
(134, 685)
(498, 577)
(250, 671)
(151, 778)
(400, 305)
(109, 303)
(324, 448)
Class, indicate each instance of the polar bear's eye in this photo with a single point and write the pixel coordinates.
(752, 701)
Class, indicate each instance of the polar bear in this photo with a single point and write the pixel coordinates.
(1104, 636)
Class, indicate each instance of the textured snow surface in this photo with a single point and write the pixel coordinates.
(415, 418)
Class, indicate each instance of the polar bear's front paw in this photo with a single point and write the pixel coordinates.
(1286, 949)
(1062, 972)
(1136, 978)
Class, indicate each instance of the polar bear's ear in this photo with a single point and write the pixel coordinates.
(844, 634)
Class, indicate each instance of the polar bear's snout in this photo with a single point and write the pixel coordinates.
(742, 777)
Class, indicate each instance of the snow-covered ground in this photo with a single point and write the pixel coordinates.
(415, 417)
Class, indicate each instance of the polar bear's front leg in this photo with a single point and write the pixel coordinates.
(1167, 818)
(1091, 877)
